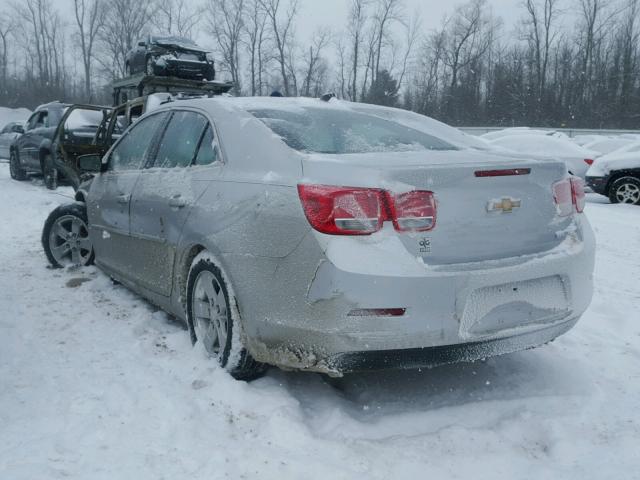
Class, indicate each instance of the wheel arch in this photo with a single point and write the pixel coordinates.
(181, 269)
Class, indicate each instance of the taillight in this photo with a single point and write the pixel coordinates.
(343, 210)
(413, 211)
(569, 196)
(362, 211)
(588, 161)
(577, 194)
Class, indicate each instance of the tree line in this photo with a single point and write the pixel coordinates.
(572, 63)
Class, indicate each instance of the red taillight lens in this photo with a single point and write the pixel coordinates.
(563, 197)
(413, 211)
(588, 161)
(577, 194)
(569, 195)
(343, 210)
(362, 211)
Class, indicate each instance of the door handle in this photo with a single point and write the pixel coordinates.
(177, 202)
(123, 198)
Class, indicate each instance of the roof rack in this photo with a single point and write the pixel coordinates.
(140, 85)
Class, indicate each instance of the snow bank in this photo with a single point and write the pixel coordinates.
(98, 384)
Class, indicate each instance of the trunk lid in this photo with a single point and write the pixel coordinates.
(467, 229)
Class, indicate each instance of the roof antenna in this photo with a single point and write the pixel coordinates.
(327, 96)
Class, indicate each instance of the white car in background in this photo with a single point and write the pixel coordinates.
(521, 131)
(606, 145)
(576, 158)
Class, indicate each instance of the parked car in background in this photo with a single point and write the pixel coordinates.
(606, 145)
(170, 56)
(617, 175)
(576, 158)
(521, 131)
(341, 237)
(8, 134)
(32, 151)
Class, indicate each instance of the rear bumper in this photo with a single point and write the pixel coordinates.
(446, 354)
(598, 184)
(479, 309)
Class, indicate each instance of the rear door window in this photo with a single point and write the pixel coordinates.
(180, 140)
(207, 152)
(134, 148)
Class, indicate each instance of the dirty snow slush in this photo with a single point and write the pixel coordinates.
(95, 383)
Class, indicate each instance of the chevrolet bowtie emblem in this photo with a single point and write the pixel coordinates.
(505, 205)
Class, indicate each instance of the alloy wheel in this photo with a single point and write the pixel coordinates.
(628, 193)
(69, 241)
(210, 313)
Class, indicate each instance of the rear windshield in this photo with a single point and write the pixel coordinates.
(333, 131)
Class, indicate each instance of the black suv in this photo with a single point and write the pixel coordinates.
(170, 56)
(32, 151)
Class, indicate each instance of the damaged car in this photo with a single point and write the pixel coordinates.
(170, 56)
(342, 237)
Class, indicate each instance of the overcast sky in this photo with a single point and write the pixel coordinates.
(333, 13)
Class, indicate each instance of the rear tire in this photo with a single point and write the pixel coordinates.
(65, 237)
(16, 171)
(213, 315)
(625, 190)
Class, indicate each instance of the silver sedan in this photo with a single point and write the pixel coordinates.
(330, 236)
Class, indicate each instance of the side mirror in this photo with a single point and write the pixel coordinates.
(18, 129)
(90, 163)
(142, 44)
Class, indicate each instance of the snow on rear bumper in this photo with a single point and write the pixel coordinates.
(508, 300)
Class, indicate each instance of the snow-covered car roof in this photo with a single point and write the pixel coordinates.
(545, 146)
(490, 136)
(608, 145)
(293, 104)
(623, 158)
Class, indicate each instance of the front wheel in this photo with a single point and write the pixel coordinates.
(625, 190)
(214, 320)
(65, 237)
(15, 170)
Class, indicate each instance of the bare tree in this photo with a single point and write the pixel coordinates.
(6, 28)
(283, 36)
(89, 15)
(255, 38)
(225, 21)
(387, 12)
(356, 24)
(313, 62)
(177, 17)
(125, 22)
(540, 35)
(42, 30)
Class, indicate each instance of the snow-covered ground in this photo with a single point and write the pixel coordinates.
(95, 383)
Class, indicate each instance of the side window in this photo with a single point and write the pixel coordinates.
(208, 152)
(134, 147)
(33, 120)
(180, 140)
(43, 120)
